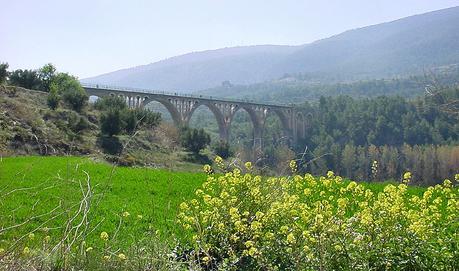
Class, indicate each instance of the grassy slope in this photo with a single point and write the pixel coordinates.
(154, 194)
(29, 127)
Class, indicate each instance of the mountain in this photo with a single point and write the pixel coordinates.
(406, 46)
(200, 70)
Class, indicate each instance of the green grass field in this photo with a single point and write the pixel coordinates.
(33, 186)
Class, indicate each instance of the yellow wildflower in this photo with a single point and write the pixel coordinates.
(207, 169)
(104, 236)
(291, 238)
(122, 257)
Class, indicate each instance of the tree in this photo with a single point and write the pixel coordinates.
(3, 72)
(146, 118)
(46, 75)
(25, 78)
(71, 91)
(111, 122)
(194, 140)
(111, 102)
(348, 160)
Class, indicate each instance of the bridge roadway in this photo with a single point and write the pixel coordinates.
(182, 106)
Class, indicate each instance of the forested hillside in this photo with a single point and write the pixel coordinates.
(348, 135)
(296, 88)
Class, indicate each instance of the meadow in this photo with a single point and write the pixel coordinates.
(94, 215)
(138, 198)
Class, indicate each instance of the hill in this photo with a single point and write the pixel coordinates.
(37, 130)
(297, 88)
(407, 46)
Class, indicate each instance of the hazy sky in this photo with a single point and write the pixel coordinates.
(90, 37)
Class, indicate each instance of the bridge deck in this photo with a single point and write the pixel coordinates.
(139, 91)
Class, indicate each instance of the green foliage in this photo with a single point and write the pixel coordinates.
(146, 118)
(110, 144)
(24, 78)
(240, 221)
(194, 140)
(150, 197)
(140, 118)
(3, 72)
(46, 75)
(53, 98)
(117, 117)
(222, 149)
(111, 122)
(111, 102)
(71, 91)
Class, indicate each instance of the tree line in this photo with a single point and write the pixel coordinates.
(347, 135)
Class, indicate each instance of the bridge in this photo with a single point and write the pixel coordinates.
(182, 106)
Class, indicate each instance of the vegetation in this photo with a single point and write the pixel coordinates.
(45, 198)
(72, 93)
(222, 149)
(83, 215)
(246, 222)
(3, 72)
(344, 134)
(292, 88)
(194, 140)
(24, 78)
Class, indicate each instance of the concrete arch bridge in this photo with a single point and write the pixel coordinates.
(182, 106)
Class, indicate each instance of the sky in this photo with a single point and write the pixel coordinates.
(91, 37)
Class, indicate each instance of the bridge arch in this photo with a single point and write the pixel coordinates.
(218, 114)
(175, 114)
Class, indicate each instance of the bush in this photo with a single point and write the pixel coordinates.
(222, 149)
(71, 91)
(3, 72)
(244, 222)
(53, 99)
(113, 103)
(194, 140)
(111, 122)
(25, 78)
(147, 118)
(110, 144)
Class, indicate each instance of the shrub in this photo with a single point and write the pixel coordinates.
(110, 144)
(244, 222)
(25, 78)
(222, 149)
(113, 103)
(111, 122)
(3, 72)
(71, 91)
(194, 140)
(53, 99)
(147, 118)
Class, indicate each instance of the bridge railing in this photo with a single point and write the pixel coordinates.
(159, 92)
